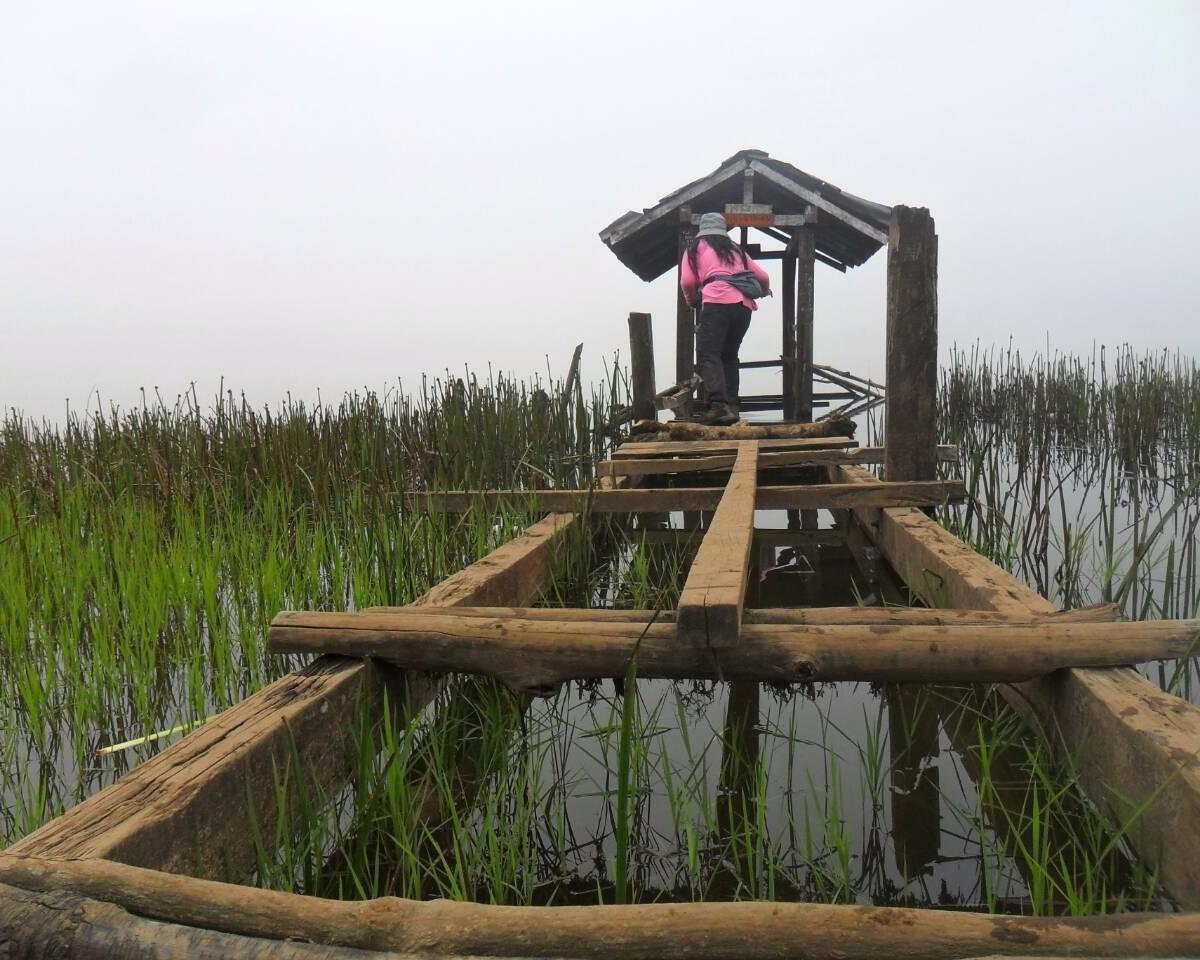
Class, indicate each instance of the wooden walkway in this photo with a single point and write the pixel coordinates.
(153, 846)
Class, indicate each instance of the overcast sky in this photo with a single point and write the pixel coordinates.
(302, 196)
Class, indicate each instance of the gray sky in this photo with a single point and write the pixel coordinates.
(303, 196)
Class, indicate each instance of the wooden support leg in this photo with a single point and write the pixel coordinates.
(641, 366)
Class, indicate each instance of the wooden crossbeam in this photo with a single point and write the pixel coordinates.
(778, 616)
(710, 606)
(784, 458)
(675, 448)
(700, 931)
(830, 496)
(532, 653)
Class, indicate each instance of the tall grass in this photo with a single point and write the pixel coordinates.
(143, 552)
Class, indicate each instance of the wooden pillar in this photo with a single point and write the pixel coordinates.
(806, 251)
(788, 355)
(911, 346)
(685, 316)
(641, 366)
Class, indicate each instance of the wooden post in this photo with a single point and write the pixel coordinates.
(685, 316)
(641, 365)
(788, 293)
(806, 249)
(911, 346)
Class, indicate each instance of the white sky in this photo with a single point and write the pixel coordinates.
(302, 196)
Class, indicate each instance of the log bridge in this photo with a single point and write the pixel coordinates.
(143, 868)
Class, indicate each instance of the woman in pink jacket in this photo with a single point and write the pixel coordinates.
(724, 312)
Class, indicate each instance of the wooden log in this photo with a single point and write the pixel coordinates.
(572, 380)
(641, 366)
(769, 460)
(802, 381)
(911, 346)
(710, 605)
(807, 496)
(666, 931)
(673, 448)
(816, 616)
(531, 653)
(684, 430)
(188, 809)
(1131, 744)
(55, 925)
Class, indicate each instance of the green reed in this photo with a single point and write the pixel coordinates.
(143, 552)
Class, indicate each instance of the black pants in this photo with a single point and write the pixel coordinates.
(719, 335)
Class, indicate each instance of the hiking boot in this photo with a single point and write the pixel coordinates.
(717, 415)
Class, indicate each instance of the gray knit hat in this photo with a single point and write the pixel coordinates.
(712, 225)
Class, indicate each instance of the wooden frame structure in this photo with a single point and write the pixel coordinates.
(139, 868)
(814, 221)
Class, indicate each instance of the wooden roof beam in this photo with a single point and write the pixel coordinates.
(819, 201)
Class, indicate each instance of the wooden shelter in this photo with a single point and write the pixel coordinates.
(143, 868)
(814, 221)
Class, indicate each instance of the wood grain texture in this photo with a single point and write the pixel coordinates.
(807, 496)
(710, 605)
(766, 460)
(675, 448)
(667, 931)
(527, 653)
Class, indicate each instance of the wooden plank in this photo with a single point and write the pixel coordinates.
(787, 295)
(641, 366)
(671, 448)
(807, 497)
(651, 931)
(685, 430)
(819, 202)
(533, 653)
(785, 458)
(912, 367)
(710, 605)
(777, 616)
(188, 809)
(1131, 744)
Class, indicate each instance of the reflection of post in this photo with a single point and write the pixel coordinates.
(915, 793)
(737, 797)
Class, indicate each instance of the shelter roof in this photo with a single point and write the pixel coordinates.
(849, 229)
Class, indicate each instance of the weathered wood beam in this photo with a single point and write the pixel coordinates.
(671, 448)
(814, 616)
(56, 925)
(531, 653)
(802, 379)
(687, 430)
(1131, 743)
(641, 366)
(819, 201)
(829, 496)
(912, 368)
(710, 605)
(188, 809)
(799, 458)
(665, 931)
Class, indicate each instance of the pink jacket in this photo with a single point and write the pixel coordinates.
(708, 263)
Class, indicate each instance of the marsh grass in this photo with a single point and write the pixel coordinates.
(144, 552)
